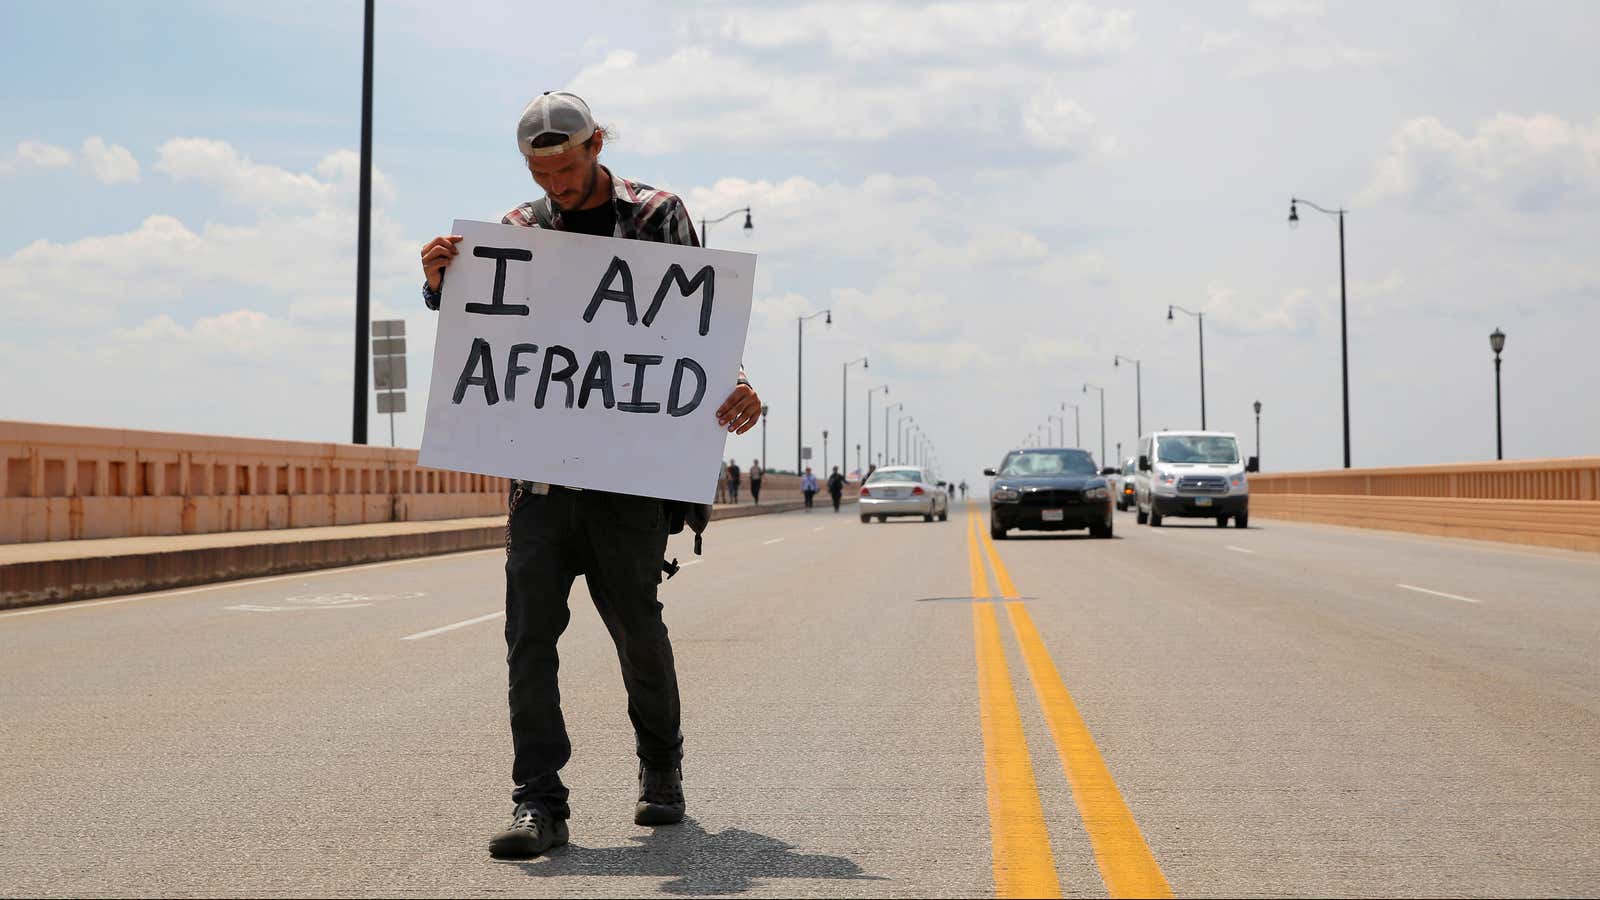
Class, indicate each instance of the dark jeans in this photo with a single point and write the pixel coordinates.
(616, 542)
(809, 496)
(733, 492)
(755, 490)
(835, 500)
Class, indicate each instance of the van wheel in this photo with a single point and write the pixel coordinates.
(1155, 518)
(882, 519)
(1242, 520)
(1222, 521)
(1143, 518)
(928, 517)
(865, 519)
(945, 515)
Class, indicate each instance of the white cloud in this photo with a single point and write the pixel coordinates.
(34, 155)
(1524, 162)
(1053, 121)
(868, 32)
(1286, 9)
(1295, 312)
(300, 248)
(110, 163)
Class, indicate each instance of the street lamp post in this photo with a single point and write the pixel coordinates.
(764, 409)
(1086, 387)
(883, 455)
(1061, 421)
(844, 409)
(799, 382)
(705, 226)
(1497, 342)
(1138, 390)
(824, 450)
(900, 424)
(1077, 425)
(1258, 432)
(1201, 317)
(358, 424)
(870, 392)
(1344, 341)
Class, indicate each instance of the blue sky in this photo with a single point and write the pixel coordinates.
(993, 198)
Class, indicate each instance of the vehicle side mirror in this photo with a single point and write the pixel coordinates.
(1144, 463)
(1110, 470)
(989, 472)
(1254, 464)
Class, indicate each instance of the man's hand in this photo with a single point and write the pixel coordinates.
(740, 412)
(436, 256)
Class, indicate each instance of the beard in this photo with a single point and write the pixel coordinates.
(578, 197)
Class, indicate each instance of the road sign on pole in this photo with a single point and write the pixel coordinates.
(389, 368)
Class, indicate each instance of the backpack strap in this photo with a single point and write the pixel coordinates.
(542, 212)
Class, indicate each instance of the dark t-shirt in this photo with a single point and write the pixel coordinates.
(600, 221)
(835, 483)
(733, 474)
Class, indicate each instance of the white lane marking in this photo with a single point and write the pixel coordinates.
(245, 583)
(773, 541)
(1436, 593)
(819, 528)
(694, 562)
(441, 630)
(1237, 549)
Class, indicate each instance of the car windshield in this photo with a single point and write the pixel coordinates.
(1048, 462)
(895, 475)
(1198, 448)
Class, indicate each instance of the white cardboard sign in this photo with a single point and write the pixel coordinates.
(585, 361)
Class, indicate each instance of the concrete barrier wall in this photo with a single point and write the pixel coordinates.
(64, 482)
(1547, 502)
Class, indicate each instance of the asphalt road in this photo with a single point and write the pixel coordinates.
(1284, 710)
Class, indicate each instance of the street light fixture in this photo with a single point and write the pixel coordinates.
(887, 408)
(1344, 342)
(1258, 432)
(705, 226)
(1138, 389)
(1201, 317)
(870, 392)
(844, 408)
(764, 409)
(1062, 422)
(1086, 387)
(824, 450)
(799, 382)
(1077, 425)
(1497, 342)
(900, 424)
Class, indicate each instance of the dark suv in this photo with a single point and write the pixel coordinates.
(1049, 489)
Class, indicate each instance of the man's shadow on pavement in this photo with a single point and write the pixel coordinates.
(695, 861)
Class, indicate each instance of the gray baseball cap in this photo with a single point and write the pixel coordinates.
(554, 112)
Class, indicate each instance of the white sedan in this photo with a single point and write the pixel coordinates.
(903, 491)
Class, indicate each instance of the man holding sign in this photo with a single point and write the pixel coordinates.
(550, 369)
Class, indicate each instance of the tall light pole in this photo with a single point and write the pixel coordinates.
(1258, 432)
(824, 451)
(1086, 387)
(1077, 424)
(358, 423)
(1138, 390)
(1201, 318)
(764, 409)
(844, 411)
(896, 407)
(1344, 341)
(870, 392)
(900, 423)
(1497, 342)
(705, 226)
(799, 383)
(1061, 421)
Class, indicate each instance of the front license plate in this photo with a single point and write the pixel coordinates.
(1202, 501)
(1053, 515)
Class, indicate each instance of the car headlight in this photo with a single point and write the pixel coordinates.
(1237, 480)
(1097, 493)
(1005, 495)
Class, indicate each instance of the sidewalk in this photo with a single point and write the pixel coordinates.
(57, 571)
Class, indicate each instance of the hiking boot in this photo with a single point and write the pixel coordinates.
(660, 797)
(532, 832)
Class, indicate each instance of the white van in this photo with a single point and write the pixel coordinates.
(1193, 474)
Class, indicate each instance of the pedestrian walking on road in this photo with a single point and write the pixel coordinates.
(808, 486)
(733, 481)
(836, 487)
(755, 480)
(963, 489)
(722, 482)
(555, 533)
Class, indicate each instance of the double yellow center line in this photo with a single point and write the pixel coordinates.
(1024, 865)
